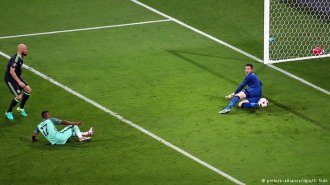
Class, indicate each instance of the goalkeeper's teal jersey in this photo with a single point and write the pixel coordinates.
(48, 129)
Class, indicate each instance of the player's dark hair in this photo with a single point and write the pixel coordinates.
(249, 65)
(44, 113)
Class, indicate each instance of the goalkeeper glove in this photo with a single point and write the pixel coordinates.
(230, 96)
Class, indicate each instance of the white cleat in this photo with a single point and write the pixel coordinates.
(90, 132)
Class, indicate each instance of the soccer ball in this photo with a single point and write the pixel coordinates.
(318, 51)
(272, 40)
(263, 102)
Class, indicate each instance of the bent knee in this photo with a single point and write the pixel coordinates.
(240, 104)
(28, 89)
(241, 95)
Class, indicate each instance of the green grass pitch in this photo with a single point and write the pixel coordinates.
(170, 81)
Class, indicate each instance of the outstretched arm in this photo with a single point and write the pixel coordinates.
(79, 123)
(239, 88)
(65, 122)
(242, 85)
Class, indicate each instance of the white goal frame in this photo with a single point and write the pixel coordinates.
(267, 59)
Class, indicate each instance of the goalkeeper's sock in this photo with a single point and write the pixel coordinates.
(13, 103)
(233, 102)
(24, 99)
(249, 105)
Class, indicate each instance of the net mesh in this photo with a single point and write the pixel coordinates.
(298, 28)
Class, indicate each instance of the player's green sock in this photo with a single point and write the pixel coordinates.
(13, 103)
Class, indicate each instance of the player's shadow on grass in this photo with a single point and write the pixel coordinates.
(295, 112)
(181, 55)
(7, 123)
(4, 122)
(299, 114)
(42, 144)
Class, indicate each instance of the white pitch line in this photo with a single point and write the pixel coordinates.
(232, 47)
(83, 29)
(121, 118)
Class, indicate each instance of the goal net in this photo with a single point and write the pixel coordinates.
(296, 30)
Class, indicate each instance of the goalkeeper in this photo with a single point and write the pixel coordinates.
(48, 129)
(252, 94)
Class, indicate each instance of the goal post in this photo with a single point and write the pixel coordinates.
(296, 30)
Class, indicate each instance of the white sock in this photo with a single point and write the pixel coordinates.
(77, 131)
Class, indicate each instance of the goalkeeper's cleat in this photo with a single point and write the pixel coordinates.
(22, 111)
(224, 111)
(90, 132)
(82, 139)
(9, 115)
